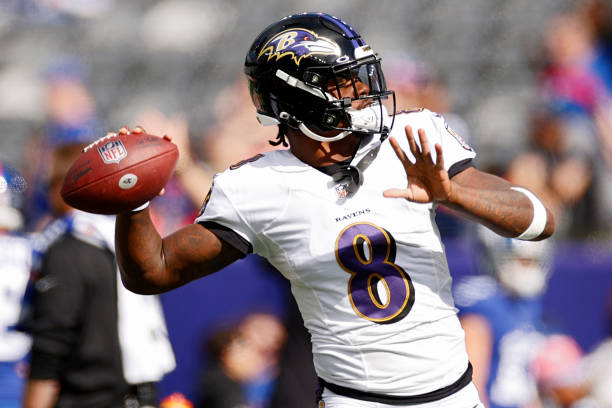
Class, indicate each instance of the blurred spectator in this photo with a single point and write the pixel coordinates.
(568, 77)
(598, 368)
(597, 15)
(94, 343)
(559, 371)
(221, 386)
(417, 84)
(71, 109)
(15, 262)
(71, 118)
(267, 335)
(573, 81)
(501, 313)
(560, 171)
(235, 134)
(245, 363)
(58, 11)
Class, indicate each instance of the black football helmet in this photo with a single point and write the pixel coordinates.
(298, 69)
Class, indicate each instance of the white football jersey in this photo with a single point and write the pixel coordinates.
(369, 273)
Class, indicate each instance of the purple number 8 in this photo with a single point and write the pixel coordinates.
(367, 252)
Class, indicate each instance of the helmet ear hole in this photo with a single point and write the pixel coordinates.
(331, 120)
(313, 78)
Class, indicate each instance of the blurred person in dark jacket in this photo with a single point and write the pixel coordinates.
(94, 343)
(245, 360)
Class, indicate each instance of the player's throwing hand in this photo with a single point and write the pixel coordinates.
(427, 181)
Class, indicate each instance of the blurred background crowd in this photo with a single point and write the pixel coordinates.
(527, 83)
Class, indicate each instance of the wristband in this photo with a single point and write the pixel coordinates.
(538, 222)
(141, 207)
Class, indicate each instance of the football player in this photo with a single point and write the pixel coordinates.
(346, 214)
(502, 314)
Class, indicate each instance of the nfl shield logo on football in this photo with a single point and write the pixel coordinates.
(112, 152)
(342, 190)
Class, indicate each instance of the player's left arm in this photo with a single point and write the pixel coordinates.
(509, 210)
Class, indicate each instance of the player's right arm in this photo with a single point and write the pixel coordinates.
(151, 264)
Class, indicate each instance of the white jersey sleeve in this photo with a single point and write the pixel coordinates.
(246, 198)
(223, 211)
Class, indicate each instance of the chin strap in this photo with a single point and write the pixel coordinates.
(304, 129)
(353, 175)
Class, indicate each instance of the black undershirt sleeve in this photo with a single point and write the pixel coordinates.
(229, 236)
(459, 167)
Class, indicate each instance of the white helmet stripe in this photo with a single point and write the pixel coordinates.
(296, 83)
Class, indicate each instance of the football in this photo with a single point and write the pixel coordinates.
(118, 173)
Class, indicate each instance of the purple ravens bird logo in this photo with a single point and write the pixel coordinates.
(298, 43)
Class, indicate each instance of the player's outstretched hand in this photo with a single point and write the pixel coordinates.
(427, 181)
